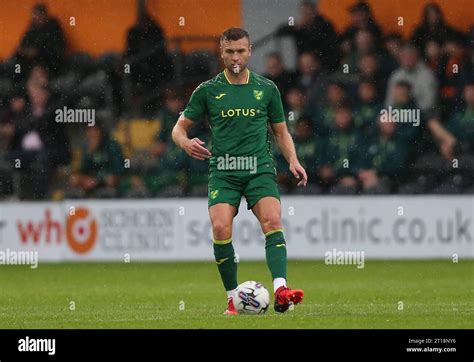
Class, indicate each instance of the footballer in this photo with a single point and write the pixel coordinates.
(240, 105)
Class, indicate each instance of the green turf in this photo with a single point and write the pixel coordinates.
(435, 294)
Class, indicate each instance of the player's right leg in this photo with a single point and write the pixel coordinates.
(222, 216)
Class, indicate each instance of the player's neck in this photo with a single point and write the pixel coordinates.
(239, 78)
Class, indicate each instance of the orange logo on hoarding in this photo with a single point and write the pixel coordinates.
(81, 231)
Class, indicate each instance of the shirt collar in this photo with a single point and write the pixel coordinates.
(228, 81)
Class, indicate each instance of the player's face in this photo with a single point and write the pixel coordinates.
(235, 54)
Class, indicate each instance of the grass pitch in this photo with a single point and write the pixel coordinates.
(385, 294)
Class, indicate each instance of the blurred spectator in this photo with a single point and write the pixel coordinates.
(363, 44)
(386, 160)
(402, 99)
(453, 71)
(433, 27)
(424, 140)
(151, 167)
(314, 33)
(392, 44)
(101, 166)
(343, 153)
(470, 55)
(461, 124)
(433, 165)
(369, 69)
(296, 105)
(309, 151)
(174, 104)
(8, 118)
(275, 71)
(43, 43)
(311, 78)
(433, 55)
(39, 143)
(336, 95)
(367, 108)
(361, 19)
(168, 179)
(146, 53)
(177, 174)
(413, 71)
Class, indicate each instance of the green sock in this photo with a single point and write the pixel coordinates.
(225, 259)
(275, 251)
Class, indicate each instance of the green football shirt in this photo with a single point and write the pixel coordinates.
(239, 115)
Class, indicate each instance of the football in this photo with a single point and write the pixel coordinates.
(251, 298)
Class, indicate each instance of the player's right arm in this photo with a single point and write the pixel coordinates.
(193, 147)
(195, 110)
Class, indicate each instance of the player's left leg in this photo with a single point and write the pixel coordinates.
(268, 212)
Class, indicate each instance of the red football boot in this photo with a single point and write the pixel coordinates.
(285, 296)
(230, 307)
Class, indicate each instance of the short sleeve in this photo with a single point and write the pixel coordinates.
(196, 108)
(275, 107)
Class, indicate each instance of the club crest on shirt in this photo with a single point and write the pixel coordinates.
(258, 94)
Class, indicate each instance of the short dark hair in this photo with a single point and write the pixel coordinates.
(365, 80)
(274, 54)
(40, 8)
(404, 84)
(362, 6)
(393, 36)
(297, 88)
(306, 120)
(456, 38)
(338, 83)
(234, 34)
(344, 106)
(408, 45)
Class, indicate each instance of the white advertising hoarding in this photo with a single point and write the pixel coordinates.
(179, 229)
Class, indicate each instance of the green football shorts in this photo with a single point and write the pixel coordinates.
(229, 188)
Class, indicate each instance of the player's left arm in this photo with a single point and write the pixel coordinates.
(287, 148)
